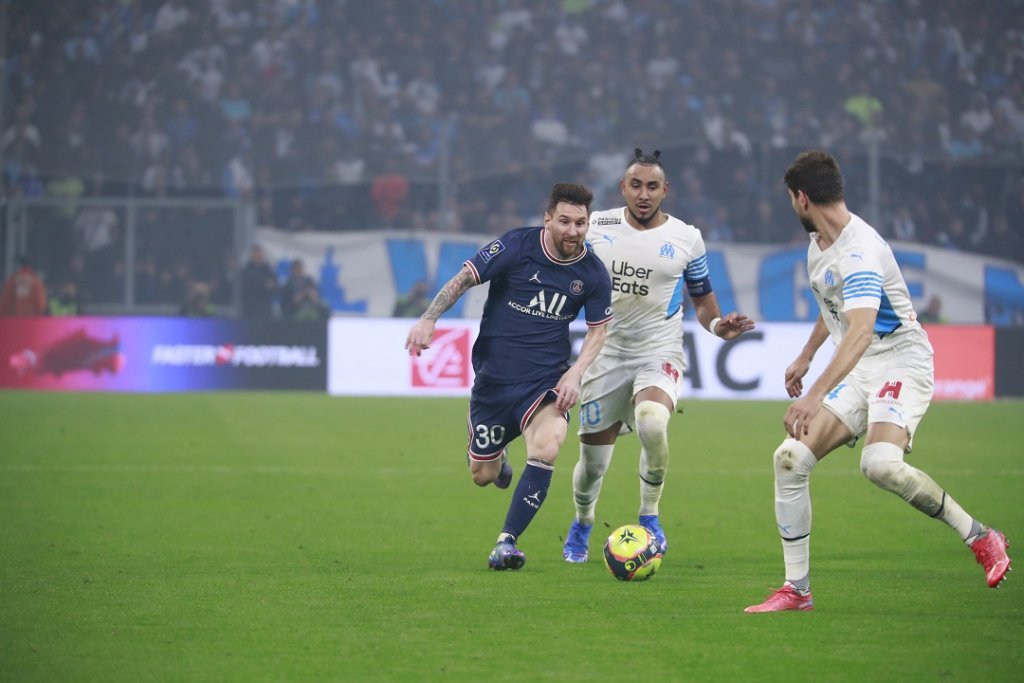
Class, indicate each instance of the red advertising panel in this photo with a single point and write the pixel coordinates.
(965, 362)
(446, 363)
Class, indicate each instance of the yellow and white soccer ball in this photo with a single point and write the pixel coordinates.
(632, 553)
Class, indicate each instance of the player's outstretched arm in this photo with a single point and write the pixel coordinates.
(423, 331)
(568, 388)
(732, 326)
(727, 327)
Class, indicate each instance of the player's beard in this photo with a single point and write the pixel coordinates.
(808, 224)
(650, 215)
(568, 251)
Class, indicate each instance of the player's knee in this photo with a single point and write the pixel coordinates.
(484, 472)
(883, 465)
(793, 461)
(481, 476)
(594, 460)
(651, 421)
(544, 449)
(885, 474)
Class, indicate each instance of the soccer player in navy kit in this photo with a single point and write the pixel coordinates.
(540, 279)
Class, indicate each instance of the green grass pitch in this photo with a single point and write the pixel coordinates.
(300, 537)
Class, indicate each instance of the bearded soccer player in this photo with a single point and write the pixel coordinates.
(877, 385)
(636, 379)
(540, 279)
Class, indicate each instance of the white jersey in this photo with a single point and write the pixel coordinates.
(860, 271)
(648, 269)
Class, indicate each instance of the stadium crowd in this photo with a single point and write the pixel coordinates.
(342, 115)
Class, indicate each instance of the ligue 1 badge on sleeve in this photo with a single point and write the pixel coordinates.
(491, 250)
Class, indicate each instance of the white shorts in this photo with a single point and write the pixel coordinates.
(895, 386)
(611, 382)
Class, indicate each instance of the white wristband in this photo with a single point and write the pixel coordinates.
(713, 325)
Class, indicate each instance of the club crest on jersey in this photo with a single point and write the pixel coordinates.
(830, 279)
(491, 250)
(667, 251)
(576, 287)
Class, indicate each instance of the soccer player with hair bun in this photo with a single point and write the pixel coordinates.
(635, 381)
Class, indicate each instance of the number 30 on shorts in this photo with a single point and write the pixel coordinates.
(489, 436)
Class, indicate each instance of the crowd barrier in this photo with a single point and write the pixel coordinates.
(354, 356)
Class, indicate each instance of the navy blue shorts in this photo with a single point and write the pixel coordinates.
(498, 413)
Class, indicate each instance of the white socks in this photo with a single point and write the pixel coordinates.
(652, 429)
(793, 462)
(882, 463)
(587, 478)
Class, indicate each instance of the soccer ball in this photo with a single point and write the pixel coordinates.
(631, 553)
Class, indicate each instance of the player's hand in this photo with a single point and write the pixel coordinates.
(568, 390)
(799, 416)
(795, 377)
(419, 336)
(733, 325)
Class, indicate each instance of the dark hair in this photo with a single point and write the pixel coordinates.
(817, 174)
(570, 193)
(652, 159)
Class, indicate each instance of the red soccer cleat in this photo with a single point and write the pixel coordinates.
(784, 599)
(990, 550)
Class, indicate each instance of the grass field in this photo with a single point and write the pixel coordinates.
(299, 537)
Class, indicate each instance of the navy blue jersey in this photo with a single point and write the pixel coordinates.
(533, 296)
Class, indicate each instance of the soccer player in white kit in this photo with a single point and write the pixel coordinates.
(635, 380)
(878, 383)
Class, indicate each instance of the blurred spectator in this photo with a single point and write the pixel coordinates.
(23, 131)
(65, 301)
(293, 290)
(903, 227)
(238, 175)
(864, 106)
(390, 191)
(548, 127)
(95, 229)
(932, 313)
(413, 303)
(954, 235)
(147, 280)
(259, 286)
(1002, 241)
(111, 283)
(309, 306)
(170, 17)
(84, 284)
(197, 303)
(24, 292)
(978, 117)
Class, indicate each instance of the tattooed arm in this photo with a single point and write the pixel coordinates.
(423, 331)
